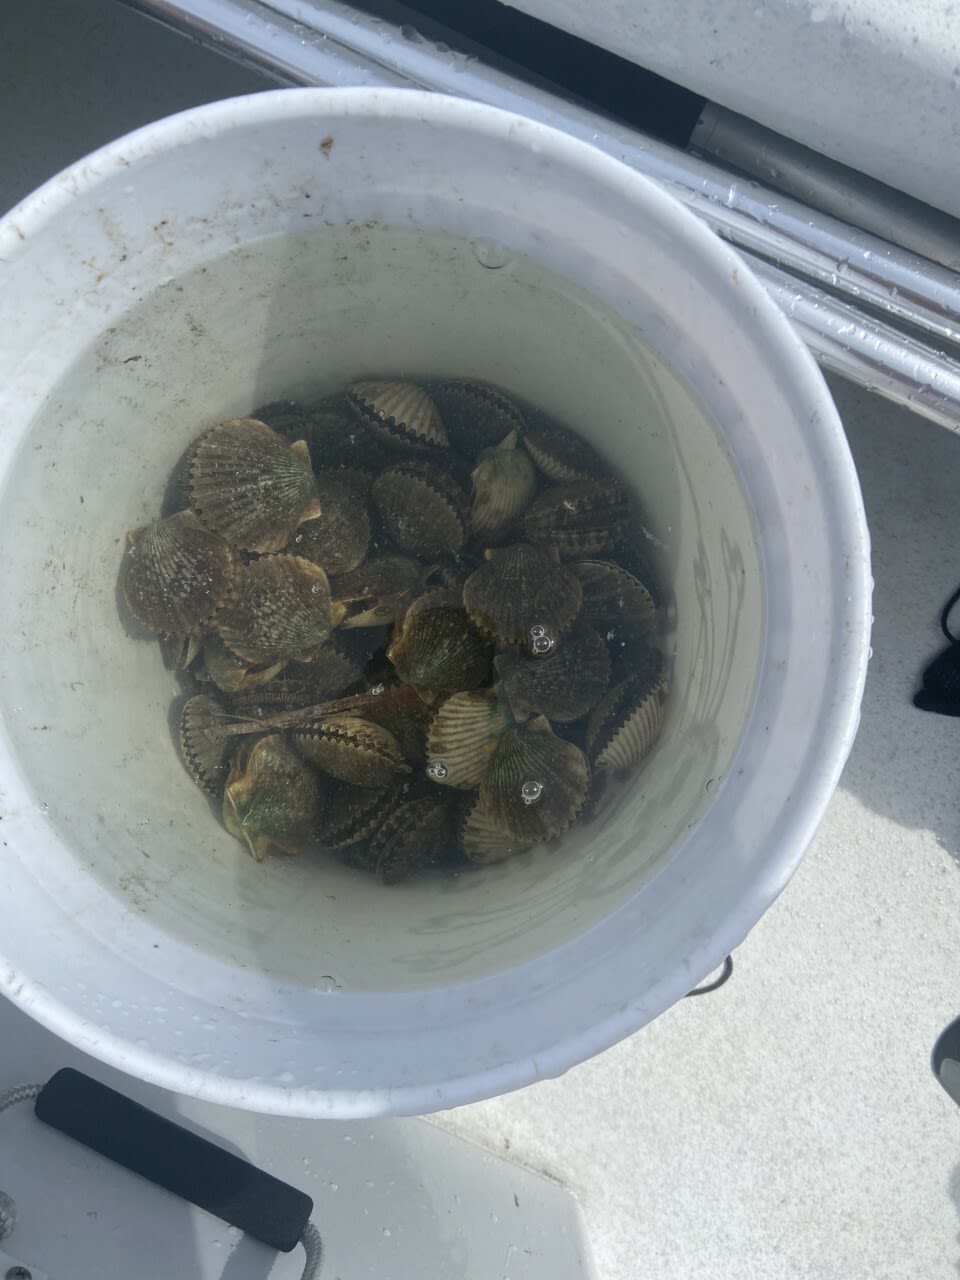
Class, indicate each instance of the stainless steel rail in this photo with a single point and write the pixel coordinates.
(832, 278)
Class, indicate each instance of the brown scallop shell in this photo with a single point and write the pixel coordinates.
(231, 675)
(206, 741)
(520, 587)
(378, 591)
(176, 574)
(352, 749)
(339, 537)
(484, 841)
(582, 518)
(477, 416)
(272, 799)
(627, 722)
(565, 683)
(616, 603)
(399, 414)
(328, 674)
(504, 481)
(249, 484)
(463, 735)
(436, 647)
(418, 833)
(422, 507)
(281, 609)
(561, 454)
(529, 756)
(352, 814)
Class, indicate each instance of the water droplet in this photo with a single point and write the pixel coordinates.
(490, 254)
(711, 783)
(531, 791)
(437, 770)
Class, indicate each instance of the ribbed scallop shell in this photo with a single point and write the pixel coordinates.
(519, 587)
(462, 737)
(229, 673)
(339, 537)
(504, 481)
(272, 799)
(352, 749)
(398, 413)
(627, 723)
(477, 416)
(532, 754)
(438, 648)
(337, 441)
(422, 507)
(564, 684)
(417, 834)
(582, 518)
(615, 602)
(176, 575)
(378, 591)
(561, 454)
(329, 674)
(180, 651)
(281, 609)
(206, 742)
(249, 484)
(352, 814)
(484, 841)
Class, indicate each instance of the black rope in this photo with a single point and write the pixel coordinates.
(945, 616)
(940, 690)
(706, 988)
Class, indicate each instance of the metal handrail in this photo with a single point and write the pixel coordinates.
(831, 278)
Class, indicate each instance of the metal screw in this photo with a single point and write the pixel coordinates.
(19, 1273)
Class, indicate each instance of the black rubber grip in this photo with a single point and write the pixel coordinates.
(174, 1158)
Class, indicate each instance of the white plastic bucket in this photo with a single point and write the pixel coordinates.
(132, 924)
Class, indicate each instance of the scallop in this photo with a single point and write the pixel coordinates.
(521, 595)
(281, 609)
(616, 603)
(338, 442)
(398, 413)
(379, 591)
(417, 834)
(422, 507)
(627, 722)
(582, 518)
(179, 651)
(229, 673)
(328, 674)
(272, 800)
(477, 416)
(463, 735)
(536, 782)
(438, 648)
(504, 481)
(484, 841)
(565, 683)
(351, 815)
(352, 749)
(248, 484)
(561, 454)
(207, 736)
(339, 537)
(176, 574)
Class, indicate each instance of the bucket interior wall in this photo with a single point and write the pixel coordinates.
(86, 704)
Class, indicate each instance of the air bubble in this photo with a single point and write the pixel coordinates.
(437, 770)
(490, 254)
(531, 791)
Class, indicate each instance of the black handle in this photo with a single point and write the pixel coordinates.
(174, 1158)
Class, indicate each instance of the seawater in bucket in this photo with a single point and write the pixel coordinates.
(278, 247)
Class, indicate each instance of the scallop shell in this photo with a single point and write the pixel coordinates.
(463, 735)
(561, 454)
(518, 588)
(352, 749)
(564, 684)
(504, 481)
(328, 674)
(408, 723)
(229, 673)
(180, 652)
(616, 603)
(484, 842)
(378, 591)
(626, 723)
(281, 609)
(338, 442)
(536, 783)
(422, 507)
(582, 518)
(176, 575)
(417, 834)
(352, 814)
(206, 739)
(476, 415)
(339, 537)
(398, 413)
(272, 799)
(438, 648)
(249, 484)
